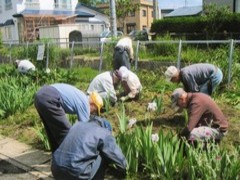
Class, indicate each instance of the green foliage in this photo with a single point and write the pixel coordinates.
(122, 119)
(165, 49)
(217, 22)
(16, 94)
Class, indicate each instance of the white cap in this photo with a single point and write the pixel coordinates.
(174, 98)
(171, 72)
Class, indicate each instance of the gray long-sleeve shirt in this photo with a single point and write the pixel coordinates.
(196, 74)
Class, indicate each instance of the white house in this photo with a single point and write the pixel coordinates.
(22, 20)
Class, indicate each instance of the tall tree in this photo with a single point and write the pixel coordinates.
(215, 17)
(123, 9)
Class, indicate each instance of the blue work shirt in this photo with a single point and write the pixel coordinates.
(83, 147)
(74, 101)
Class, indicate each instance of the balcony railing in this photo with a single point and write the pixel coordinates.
(32, 4)
(8, 6)
(62, 5)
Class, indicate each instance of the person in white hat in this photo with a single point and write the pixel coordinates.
(201, 77)
(24, 66)
(104, 84)
(123, 53)
(54, 101)
(130, 83)
(205, 119)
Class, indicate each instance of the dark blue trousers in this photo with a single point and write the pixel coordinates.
(48, 103)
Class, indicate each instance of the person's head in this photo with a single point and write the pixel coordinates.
(96, 103)
(179, 99)
(16, 63)
(172, 74)
(123, 73)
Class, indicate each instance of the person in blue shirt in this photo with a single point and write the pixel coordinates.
(86, 152)
(54, 101)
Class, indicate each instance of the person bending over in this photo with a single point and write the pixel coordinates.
(87, 151)
(200, 77)
(54, 101)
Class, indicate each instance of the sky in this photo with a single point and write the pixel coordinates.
(173, 4)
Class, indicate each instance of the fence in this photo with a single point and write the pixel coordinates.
(100, 50)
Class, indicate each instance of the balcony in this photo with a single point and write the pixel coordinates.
(8, 6)
(62, 5)
(32, 4)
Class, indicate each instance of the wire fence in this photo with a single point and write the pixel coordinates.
(104, 50)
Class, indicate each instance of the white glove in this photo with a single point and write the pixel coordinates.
(124, 98)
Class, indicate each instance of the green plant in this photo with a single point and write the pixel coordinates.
(122, 119)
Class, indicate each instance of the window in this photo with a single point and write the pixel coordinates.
(131, 27)
(62, 4)
(8, 4)
(8, 32)
(131, 14)
(144, 13)
(92, 27)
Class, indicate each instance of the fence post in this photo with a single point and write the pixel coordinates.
(71, 62)
(179, 54)
(230, 60)
(10, 56)
(27, 49)
(47, 62)
(101, 56)
(136, 55)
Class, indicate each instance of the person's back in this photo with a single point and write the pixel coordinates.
(104, 84)
(84, 150)
(123, 53)
(24, 66)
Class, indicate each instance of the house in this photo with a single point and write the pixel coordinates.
(185, 11)
(22, 20)
(139, 20)
(234, 5)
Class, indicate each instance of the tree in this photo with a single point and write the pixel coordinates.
(123, 8)
(215, 16)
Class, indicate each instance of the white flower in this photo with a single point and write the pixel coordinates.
(47, 70)
(152, 106)
(131, 122)
(155, 137)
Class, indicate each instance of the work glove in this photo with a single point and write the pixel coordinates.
(124, 98)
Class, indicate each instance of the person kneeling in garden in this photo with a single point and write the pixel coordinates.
(86, 152)
(206, 121)
(130, 83)
(104, 84)
(24, 66)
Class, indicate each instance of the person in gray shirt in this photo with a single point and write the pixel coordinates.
(201, 77)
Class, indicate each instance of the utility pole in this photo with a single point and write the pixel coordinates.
(155, 9)
(113, 19)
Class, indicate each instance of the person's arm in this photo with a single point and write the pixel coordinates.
(112, 152)
(194, 115)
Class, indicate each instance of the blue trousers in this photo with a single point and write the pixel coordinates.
(215, 79)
